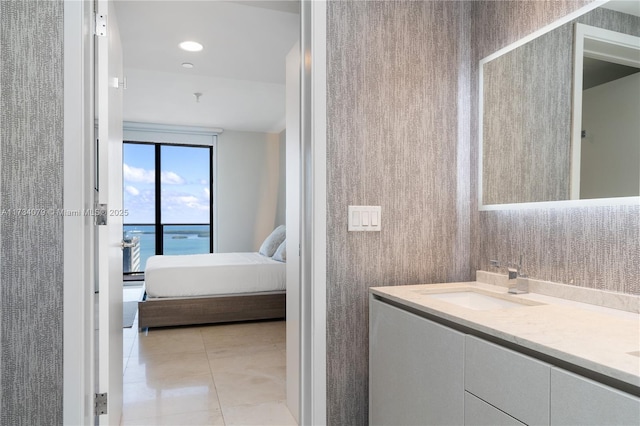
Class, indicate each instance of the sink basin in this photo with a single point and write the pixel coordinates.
(478, 300)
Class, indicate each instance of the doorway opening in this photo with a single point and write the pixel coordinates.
(194, 83)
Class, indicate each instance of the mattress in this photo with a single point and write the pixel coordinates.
(212, 274)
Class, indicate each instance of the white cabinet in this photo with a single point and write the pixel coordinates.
(480, 413)
(415, 369)
(514, 383)
(578, 400)
(424, 373)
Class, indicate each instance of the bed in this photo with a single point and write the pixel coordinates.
(212, 288)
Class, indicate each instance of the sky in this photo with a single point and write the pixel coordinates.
(184, 184)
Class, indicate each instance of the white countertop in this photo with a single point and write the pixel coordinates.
(597, 338)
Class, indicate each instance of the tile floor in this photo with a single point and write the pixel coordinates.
(232, 374)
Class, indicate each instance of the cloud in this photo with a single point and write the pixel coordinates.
(183, 207)
(136, 174)
(140, 175)
(192, 202)
(206, 192)
(171, 178)
(132, 190)
(141, 207)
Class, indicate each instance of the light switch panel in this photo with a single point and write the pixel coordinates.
(355, 218)
(365, 218)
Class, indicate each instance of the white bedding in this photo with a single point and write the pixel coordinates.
(212, 274)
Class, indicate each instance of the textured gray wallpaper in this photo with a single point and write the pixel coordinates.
(31, 177)
(402, 133)
(527, 112)
(596, 247)
(394, 77)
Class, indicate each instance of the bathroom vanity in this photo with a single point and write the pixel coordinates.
(470, 353)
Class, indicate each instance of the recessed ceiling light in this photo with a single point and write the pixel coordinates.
(191, 46)
(187, 65)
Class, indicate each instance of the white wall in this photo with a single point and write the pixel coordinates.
(282, 196)
(247, 181)
(609, 166)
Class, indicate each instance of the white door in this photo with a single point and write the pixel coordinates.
(109, 236)
(293, 229)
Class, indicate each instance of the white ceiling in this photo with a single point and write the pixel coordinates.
(631, 7)
(240, 72)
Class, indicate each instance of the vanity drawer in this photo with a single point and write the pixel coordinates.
(512, 382)
(581, 401)
(479, 413)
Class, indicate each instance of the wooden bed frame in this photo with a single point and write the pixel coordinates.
(211, 309)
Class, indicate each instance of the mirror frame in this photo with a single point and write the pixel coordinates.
(542, 204)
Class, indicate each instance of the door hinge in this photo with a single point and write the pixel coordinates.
(101, 24)
(100, 404)
(101, 214)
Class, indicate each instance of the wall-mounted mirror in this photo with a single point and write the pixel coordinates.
(560, 113)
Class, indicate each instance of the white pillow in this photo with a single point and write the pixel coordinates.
(273, 241)
(281, 254)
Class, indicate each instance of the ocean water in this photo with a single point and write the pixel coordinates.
(178, 239)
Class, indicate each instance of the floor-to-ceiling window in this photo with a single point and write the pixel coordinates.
(139, 202)
(167, 196)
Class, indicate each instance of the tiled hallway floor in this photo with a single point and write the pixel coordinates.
(214, 375)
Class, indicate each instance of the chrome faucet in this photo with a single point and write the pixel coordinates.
(521, 286)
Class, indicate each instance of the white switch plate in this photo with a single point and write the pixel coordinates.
(365, 218)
